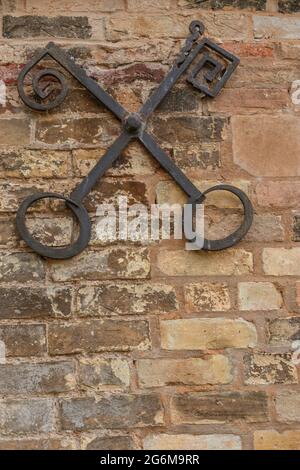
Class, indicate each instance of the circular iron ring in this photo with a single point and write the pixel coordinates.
(235, 237)
(52, 252)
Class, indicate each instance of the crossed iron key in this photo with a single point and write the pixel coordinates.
(215, 74)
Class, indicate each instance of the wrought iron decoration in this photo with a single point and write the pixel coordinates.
(215, 73)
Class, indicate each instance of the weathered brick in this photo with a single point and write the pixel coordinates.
(188, 129)
(126, 299)
(35, 6)
(56, 231)
(241, 101)
(80, 101)
(111, 411)
(200, 156)
(192, 263)
(259, 296)
(28, 415)
(259, 149)
(266, 228)
(298, 293)
(289, 51)
(220, 4)
(133, 162)
(207, 296)
(221, 25)
(109, 263)
(140, 51)
(15, 53)
(287, 404)
(288, 6)
(39, 26)
(224, 25)
(281, 261)
(180, 100)
(263, 75)
(207, 333)
(128, 93)
(250, 49)
(8, 6)
(121, 27)
(38, 444)
(12, 105)
(78, 52)
(100, 373)
(98, 335)
(194, 408)
(272, 27)
(12, 194)
(109, 443)
(137, 5)
(7, 232)
(264, 369)
(296, 228)
(35, 302)
(108, 192)
(274, 440)
(160, 372)
(218, 226)
(170, 193)
(278, 194)
(284, 331)
(14, 132)
(34, 164)
(55, 377)
(106, 234)
(21, 267)
(192, 442)
(69, 132)
(129, 74)
(23, 340)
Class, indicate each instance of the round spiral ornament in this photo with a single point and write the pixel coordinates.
(49, 94)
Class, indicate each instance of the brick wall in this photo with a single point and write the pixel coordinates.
(150, 346)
